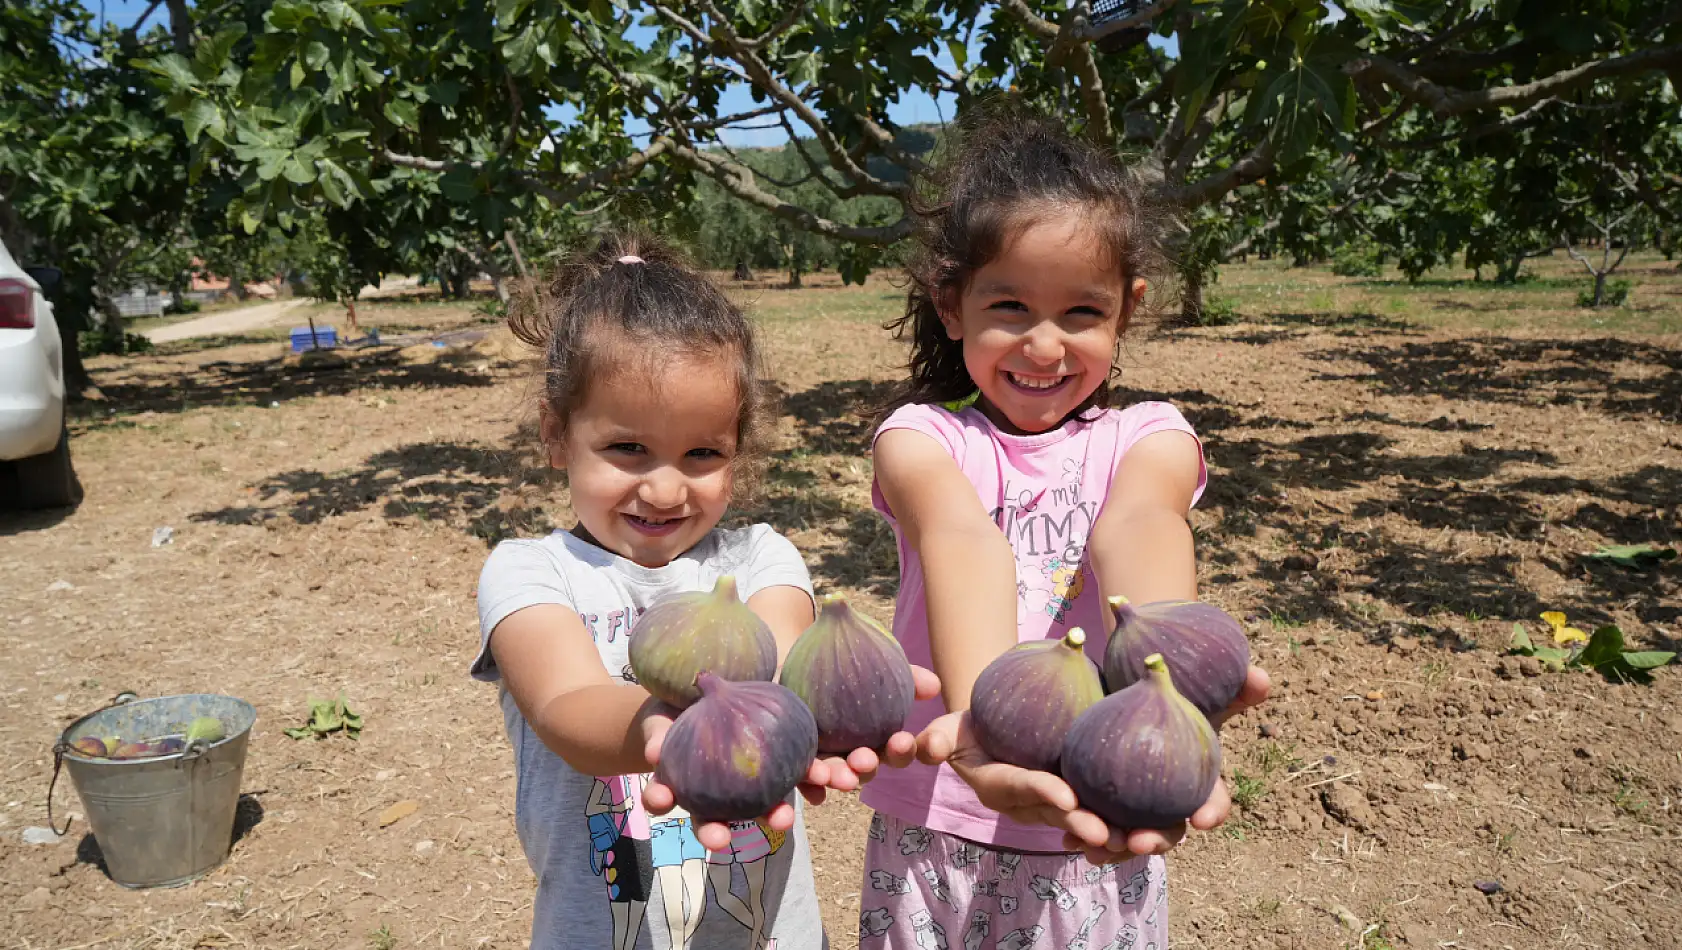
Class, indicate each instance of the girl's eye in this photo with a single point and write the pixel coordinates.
(1011, 306)
(631, 448)
(705, 454)
(1087, 312)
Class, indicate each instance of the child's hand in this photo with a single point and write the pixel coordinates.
(861, 765)
(1034, 797)
(842, 774)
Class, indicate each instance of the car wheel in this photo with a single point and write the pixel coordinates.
(47, 480)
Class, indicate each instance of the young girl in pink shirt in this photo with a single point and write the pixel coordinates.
(1022, 497)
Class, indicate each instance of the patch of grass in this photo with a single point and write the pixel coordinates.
(1433, 673)
(1504, 841)
(1282, 622)
(1266, 907)
(1629, 800)
(1247, 790)
(1376, 938)
(382, 939)
(1272, 757)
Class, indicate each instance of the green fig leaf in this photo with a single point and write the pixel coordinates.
(1552, 657)
(1604, 646)
(1521, 641)
(1649, 659)
(1634, 555)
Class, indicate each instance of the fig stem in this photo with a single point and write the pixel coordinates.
(706, 681)
(1123, 610)
(726, 586)
(1158, 668)
(1075, 638)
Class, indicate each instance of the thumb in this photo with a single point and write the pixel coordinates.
(937, 741)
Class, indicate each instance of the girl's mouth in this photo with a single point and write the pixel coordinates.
(1036, 385)
(653, 527)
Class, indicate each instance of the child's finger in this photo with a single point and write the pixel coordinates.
(654, 727)
(841, 775)
(937, 741)
(1214, 811)
(818, 772)
(1154, 840)
(1087, 828)
(657, 799)
(1253, 693)
(925, 684)
(814, 794)
(780, 818)
(863, 764)
(713, 835)
(900, 751)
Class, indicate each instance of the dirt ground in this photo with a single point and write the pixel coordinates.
(1388, 495)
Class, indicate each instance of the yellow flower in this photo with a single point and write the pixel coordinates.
(1562, 633)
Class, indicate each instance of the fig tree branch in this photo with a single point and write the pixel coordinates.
(1253, 166)
(739, 181)
(1444, 102)
(782, 26)
(731, 45)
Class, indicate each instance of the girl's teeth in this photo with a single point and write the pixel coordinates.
(1034, 382)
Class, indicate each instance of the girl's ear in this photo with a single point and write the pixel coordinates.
(946, 307)
(1135, 299)
(553, 434)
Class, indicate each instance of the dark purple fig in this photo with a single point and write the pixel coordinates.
(738, 750)
(854, 677)
(684, 634)
(1144, 757)
(1206, 649)
(1024, 702)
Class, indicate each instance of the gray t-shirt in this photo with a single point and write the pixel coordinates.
(609, 875)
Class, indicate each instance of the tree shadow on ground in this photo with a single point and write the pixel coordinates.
(838, 417)
(1527, 372)
(451, 482)
(264, 382)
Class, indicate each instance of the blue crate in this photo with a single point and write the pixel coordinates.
(326, 338)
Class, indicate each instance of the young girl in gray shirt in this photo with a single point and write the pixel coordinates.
(652, 404)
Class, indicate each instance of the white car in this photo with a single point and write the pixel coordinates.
(35, 470)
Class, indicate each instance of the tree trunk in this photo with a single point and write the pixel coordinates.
(77, 383)
(1299, 260)
(1509, 272)
(1599, 288)
(236, 283)
(742, 272)
(1191, 302)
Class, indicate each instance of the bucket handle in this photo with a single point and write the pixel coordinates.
(60, 747)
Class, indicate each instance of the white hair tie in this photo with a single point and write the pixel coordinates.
(631, 259)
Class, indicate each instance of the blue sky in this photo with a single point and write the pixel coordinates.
(914, 107)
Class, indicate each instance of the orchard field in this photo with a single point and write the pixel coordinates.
(1397, 474)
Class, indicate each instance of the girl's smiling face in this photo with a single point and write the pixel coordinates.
(1039, 324)
(648, 455)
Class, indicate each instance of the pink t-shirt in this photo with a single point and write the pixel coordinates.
(1045, 492)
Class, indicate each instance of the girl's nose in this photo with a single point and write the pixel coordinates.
(663, 488)
(1043, 344)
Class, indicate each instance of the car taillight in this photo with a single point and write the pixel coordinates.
(17, 305)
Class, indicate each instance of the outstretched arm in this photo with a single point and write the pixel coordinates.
(594, 722)
(969, 572)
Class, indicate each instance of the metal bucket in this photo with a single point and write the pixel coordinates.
(166, 820)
